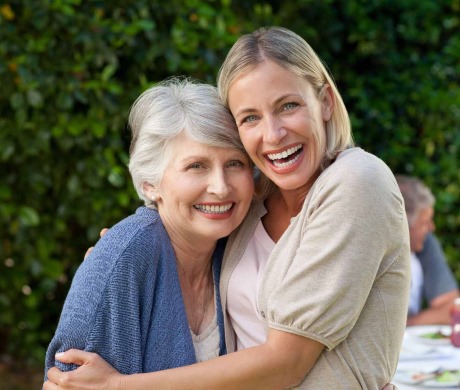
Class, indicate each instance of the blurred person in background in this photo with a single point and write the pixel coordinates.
(432, 280)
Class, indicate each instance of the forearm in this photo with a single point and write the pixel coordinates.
(437, 313)
(245, 370)
(431, 316)
(269, 366)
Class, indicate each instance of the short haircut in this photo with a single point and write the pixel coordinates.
(417, 196)
(172, 107)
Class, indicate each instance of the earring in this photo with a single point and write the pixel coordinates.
(153, 198)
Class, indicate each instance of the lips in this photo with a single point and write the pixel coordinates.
(285, 158)
(213, 209)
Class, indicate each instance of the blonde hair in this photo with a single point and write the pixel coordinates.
(174, 106)
(293, 53)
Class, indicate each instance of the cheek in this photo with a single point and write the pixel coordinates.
(184, 192)
(250, 184)
(418, 233)
(315, 152)
(245, 182)
(248, 139)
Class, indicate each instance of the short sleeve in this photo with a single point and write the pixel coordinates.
(351, 230)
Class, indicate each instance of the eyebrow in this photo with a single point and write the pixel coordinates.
(277, 101)
(231, 154)
(195, 157)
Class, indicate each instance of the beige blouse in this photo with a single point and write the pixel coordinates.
(340, 274)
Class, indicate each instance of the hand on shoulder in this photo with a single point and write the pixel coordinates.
(90, 249)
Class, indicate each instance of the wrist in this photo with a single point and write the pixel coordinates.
(120, 382)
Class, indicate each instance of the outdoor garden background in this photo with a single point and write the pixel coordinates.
(70, 69)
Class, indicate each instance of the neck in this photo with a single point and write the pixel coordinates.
(289, 202)
(193, 265)
(282, 205)
(198, 294)
(193, 253)
(197, 285)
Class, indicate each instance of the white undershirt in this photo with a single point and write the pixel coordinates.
(416, 286)
(206, 344)
(243, 290)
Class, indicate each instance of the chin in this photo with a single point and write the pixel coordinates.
(217, 234)
(419, 248)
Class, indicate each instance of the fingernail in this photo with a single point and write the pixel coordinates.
(58, 354)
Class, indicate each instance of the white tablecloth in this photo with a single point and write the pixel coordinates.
(445, 356)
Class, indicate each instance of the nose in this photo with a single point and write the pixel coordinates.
(219, 184)
(273, 131)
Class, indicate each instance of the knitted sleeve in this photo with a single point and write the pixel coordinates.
(103, 307)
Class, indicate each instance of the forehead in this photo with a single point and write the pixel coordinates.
(184, 148)
(267, 78)
(267, 69)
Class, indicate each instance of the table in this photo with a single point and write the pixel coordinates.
(416, 355)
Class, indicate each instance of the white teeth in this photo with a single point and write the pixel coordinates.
(284, 154)
(287, 163)
(213, 209)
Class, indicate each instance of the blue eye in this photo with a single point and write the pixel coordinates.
(290, 106)
(195, 166)
(250, 118)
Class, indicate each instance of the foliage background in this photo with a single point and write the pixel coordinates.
(70, 69)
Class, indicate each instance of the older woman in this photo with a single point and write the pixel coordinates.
(315, 281)
(147, 297)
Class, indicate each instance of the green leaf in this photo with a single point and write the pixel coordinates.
(28, 216)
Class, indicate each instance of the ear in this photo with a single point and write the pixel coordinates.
(328, 102)
(150, 191)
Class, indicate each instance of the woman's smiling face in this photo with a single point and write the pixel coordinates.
(281, 123)
(205, 191)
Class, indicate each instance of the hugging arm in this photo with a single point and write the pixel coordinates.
(281, 363)
(94, 373)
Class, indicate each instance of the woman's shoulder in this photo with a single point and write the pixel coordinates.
(360, 160)
(143, 222)
(357, 178)
(143, 217)
(357, 167)
(136, 237)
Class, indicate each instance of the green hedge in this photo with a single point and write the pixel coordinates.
(70, 69)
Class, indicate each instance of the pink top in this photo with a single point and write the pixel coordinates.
(243, 288)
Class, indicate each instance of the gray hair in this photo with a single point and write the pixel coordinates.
(417, 196)
(161, 113)
(293, 53)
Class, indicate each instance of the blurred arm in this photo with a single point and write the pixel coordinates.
(437, 313)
